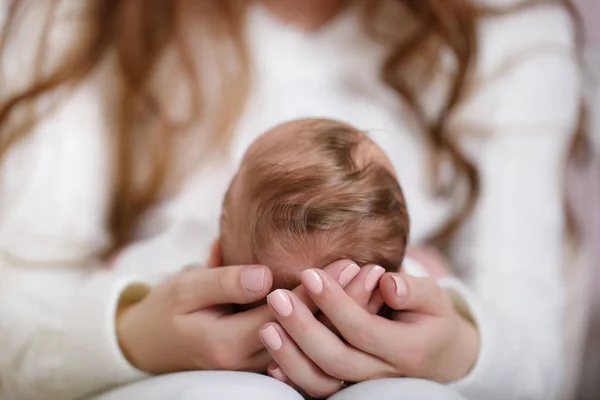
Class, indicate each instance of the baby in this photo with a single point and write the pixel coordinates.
(310, 192)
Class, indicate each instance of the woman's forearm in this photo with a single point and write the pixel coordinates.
(57, 333)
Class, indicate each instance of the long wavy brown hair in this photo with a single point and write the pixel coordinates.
(138, 34)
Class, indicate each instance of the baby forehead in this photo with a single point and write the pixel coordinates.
(286, 268)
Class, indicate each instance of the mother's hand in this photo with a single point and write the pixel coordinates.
(184, 322)
(427, 338)
(180, 326)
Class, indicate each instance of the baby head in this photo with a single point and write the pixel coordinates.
(310, 192)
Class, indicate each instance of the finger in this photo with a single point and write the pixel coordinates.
(402, 292)
(360, 328)
(276, 372)
(295, 365)
(241, 329)
(361, 289)
(245, 324)
(320, 344)
(327, 323)
(197, 288)
(343, 271)
(362, 286)
(375, 303)
(373, 307)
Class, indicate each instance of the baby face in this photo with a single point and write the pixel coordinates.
(308, 193)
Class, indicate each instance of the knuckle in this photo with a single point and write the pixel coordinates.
(224, 281)
(336, 365)
(299, 328)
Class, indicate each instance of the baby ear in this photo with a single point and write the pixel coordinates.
(215, 259)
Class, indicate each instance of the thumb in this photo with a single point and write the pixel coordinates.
(198, 288)
(403, 292)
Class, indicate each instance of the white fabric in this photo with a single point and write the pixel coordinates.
(397, 389)
(205, 385)
(56, 327)
(213, 385)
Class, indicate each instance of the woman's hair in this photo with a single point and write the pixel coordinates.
(139, 34)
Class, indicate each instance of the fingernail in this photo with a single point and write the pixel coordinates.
(400, 286)
(348, 274)
(312, 281)
(278, 374)
(271, 338)
(253, 279)
(280, 302)
(373, 277)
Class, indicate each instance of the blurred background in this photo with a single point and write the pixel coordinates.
(590, 378)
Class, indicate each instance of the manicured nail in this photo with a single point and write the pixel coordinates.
(253, 279)
(278, 374)
(312, 281)
(348, 274)
(271, 337)
(373, 277)
(400, 286)
(280, 302)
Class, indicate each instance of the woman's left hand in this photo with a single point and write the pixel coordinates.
(427, 338)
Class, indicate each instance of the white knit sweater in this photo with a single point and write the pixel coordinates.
(57, 304)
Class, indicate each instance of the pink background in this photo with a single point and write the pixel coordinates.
(590, 10)
(589, 387)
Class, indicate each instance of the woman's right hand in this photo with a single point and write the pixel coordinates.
(182, 324)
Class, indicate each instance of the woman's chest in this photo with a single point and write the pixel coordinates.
(55, 195)
(339, 78)
(353, 95)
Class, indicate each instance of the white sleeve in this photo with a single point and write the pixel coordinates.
(511, 251)
(57, 331)
(57, 310)
(57, 324)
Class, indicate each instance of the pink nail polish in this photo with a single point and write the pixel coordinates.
(312, 281)
(348, 274)
(373, 277)
(271, 338)
(278, 374)
(400, 286)
(253, 279)
(280, 302)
